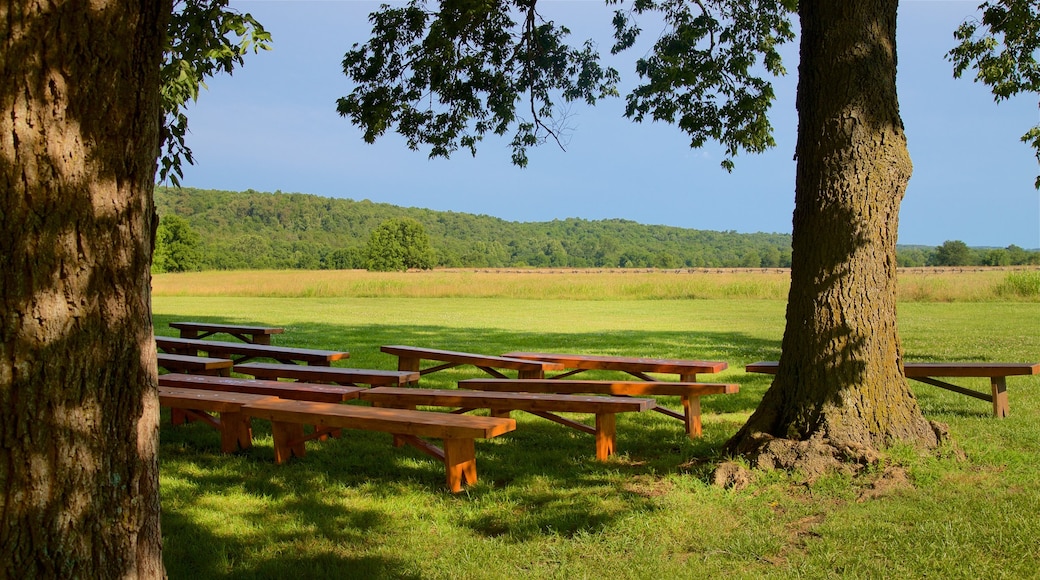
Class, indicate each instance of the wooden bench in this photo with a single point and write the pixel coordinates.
(183, 363)
(241, 352)
(337, 375)
(409, 358)
(689, 393)
(251, 334)
(458, 432)
(997, 374)
(500, 404)
(321, 393)
(685, 370)
(233, 424)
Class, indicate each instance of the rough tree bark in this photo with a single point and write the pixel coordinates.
(79, 130)
(839, 392)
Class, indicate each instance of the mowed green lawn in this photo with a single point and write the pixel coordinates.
(357, 507)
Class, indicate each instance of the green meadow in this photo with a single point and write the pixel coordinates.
(356, 507)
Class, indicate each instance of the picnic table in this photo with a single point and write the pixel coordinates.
(925, 372)
(245, 333)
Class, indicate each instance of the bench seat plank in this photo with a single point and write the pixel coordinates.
(338, 375)
(287, 390)
(410, 358)
(241, 352)
(544, 405)
(457, 431)
(194, 364)
(689, 393)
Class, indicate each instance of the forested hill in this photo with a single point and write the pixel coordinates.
(291, 230)
(253, 230)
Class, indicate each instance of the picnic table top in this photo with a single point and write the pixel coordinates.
(286, 390)
(469, 358)
(339, 375)
(937, 369)
(196, 362)
(247, 348)
(625, 363)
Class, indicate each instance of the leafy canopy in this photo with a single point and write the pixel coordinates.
(1002, 49)
(177, 246)
(445, 76)
(399, 244)
(205, 38)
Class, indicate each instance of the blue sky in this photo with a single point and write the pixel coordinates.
(273, 126)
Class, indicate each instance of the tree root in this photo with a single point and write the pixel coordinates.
(811, 458)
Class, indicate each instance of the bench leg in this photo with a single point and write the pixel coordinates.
(288, 440)
(606, 439)
(236, 432)
(692, 413)
(408, 364)
(178, 416)
(1000, 398)
(460, 462)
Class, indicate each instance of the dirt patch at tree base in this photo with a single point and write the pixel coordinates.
(816, 457)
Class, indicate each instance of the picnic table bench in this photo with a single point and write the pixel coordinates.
(686, 370)
(409, 358)
(337, 375)
(457, 432)
(234, 426)
(689, 393)
(245, 333)
(241, 352)
(544, 405)
(194, 364)
(288, 418)
(321, 393)
(926, 372)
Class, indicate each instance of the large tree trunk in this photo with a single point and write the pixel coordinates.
(840, 379)
(79, 127)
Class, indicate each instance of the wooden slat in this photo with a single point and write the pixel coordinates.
(478, 360)
(247, 350)
(178, 362)
(937, 369)
(506, 400)
(285, 390)
(339, 375)
(970, 369)
(405, 422)
(624, 364)
(206, 400)
(638, 388)
(246, 333)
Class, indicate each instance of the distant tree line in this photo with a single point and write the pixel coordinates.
(223, 230)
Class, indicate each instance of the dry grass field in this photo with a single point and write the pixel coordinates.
(915, 285)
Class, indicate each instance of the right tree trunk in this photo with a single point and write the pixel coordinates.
(840, 377)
